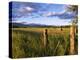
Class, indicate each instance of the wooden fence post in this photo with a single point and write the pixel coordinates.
(72, 39)
(45, 38)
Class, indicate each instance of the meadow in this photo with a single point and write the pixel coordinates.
(29, 42)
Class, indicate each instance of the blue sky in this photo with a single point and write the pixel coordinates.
(41, 13)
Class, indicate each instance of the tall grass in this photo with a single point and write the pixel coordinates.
(29, 43)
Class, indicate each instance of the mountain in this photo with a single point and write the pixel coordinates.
(17, 25)
(27, 25)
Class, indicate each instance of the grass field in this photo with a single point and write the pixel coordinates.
(28, 42)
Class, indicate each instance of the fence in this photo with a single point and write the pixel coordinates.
(71, 42)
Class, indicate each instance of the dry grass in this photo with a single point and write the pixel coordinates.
(28, 42)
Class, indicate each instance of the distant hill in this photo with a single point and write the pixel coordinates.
(33, 25)
(26, 25)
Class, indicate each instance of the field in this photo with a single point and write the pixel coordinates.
(29, 42)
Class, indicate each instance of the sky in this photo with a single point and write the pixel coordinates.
(40, 13)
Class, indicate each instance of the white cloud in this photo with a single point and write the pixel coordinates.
(54, 13)
(48, 14)
(47, 21)
(29, 8)
(26, 9)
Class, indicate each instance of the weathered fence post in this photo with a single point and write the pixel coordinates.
(45, 42)
(72, 39)
(61, 28)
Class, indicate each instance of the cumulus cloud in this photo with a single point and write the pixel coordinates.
(29, 8)
(62, 15)
(35, 10)
(26, 9)
(53, 13)
(48, 14)
(20, 21)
